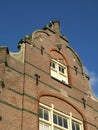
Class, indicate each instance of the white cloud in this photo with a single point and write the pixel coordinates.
(93, 81)
(93, 78)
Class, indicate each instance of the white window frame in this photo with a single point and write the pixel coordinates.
(42, 126)
(59, 71)
(52, 125)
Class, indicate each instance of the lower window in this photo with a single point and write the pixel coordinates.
(51, 119)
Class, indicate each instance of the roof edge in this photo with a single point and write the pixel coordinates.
(5, 48)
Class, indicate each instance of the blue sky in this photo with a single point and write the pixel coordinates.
(78, 21)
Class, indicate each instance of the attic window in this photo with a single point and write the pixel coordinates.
(58, 71)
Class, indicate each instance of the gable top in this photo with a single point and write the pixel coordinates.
(54, 26)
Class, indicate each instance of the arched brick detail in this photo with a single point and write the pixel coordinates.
(53, 49)
(66, 100)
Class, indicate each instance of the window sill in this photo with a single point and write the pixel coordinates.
(63, 82)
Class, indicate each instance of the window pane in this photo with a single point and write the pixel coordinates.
(77, 127)
(41, 113)
(46, 115)
(59, 120)
(61, 69)
(55, 118)
(65, 123)
(73, 126)
(53, 64)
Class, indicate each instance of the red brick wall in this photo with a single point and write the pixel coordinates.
(19, 99)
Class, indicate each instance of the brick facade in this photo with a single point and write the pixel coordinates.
(25, 81)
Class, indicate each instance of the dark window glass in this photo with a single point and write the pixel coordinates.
(41, 113)
(53, 64)
(60, 121)
(46, 115)
(65, 123)
(77, 127)
(61, 69)
(73, 126)
(55, 118)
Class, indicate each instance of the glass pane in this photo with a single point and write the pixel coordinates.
(41, 113)
(61, 69)
(46, 115)
(73, 126)
(55, 118)
(60, 121)
(65, 123)
(53, 64)
(77, 127)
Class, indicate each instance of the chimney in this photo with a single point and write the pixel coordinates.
(56, 28)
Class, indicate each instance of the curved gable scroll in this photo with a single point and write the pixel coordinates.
(58, 56)
(33, 37)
